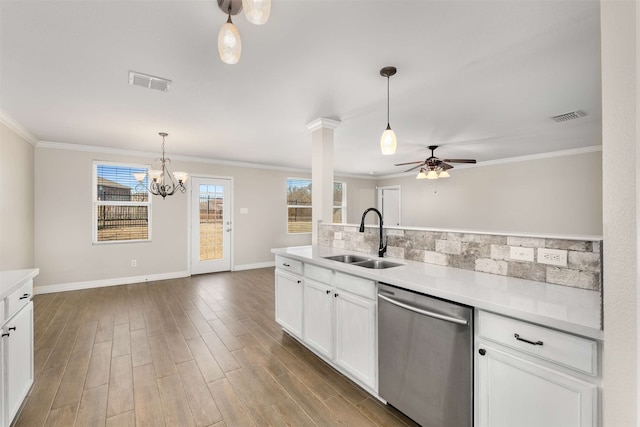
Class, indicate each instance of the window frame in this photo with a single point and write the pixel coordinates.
(96, 203)
(342, 206)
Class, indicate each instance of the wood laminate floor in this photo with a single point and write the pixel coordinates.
(199, 351)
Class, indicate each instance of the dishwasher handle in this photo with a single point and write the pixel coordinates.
(456, 320)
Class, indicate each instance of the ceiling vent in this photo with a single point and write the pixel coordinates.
(148, 81)
(569, 116)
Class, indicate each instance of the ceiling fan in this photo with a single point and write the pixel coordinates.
(433, 167)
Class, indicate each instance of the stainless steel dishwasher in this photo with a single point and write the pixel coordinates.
(425, 357)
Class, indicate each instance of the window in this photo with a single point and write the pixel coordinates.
(339, 202)
(121, 213)
(299, 204)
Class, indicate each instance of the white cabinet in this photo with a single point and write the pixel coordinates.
(289, 291)
(16, 345)
(18, 351)
(530, 376)
(318, 317)
(356, 336)
(340, 322)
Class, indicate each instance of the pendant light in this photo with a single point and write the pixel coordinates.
(257, 11)
(388, 141)
(229, 44)
(161, 182)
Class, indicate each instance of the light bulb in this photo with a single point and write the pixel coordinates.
(229, 43)
(257, 11)
(388, 141)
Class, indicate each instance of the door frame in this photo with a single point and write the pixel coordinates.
(379, 199)
(190, 219)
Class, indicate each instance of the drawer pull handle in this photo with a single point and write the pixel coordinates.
(299, 281)
(286, 265)
(5, 335)
(24, 296)
(328, 291)
(13, 328)
(516, 336)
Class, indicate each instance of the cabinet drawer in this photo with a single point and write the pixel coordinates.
(19, 298)
(559, 347)
(320, 274)
(288, 264)
(356, 285)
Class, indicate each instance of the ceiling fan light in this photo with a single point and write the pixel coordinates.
(388, 141)
(257, 11)
(229, 43)
(444, 174)
(422, 174)
(432, 175)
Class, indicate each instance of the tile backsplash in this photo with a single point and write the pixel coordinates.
(568, 262)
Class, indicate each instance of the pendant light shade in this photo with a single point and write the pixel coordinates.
(229, 43)
(422, 174)
(432, 174)
(444, 174)
(388, 140)
(257, 11)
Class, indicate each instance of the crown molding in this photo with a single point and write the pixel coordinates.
(551, 154)
(13, 124)
(153, 154)
(323, 122)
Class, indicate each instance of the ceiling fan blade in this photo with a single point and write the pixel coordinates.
(445, 166)
(459, 160)
(415, 167)
(409, 163)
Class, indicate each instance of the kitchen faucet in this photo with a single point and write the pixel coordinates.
(383, 246)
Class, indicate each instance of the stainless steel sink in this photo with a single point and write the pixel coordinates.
(348, 259)
(377, 264)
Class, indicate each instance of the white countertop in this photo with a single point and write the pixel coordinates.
(11, 280)
(573, 310)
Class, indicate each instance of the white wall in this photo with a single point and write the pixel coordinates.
(16, 203)
(65, 253)
(620, 117)
(557, 195)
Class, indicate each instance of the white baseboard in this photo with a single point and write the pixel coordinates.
(63, 287)
(253, 266)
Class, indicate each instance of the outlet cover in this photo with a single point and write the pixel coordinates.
(552, 257)
(518, 253)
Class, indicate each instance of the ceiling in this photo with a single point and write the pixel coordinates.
(481, 78)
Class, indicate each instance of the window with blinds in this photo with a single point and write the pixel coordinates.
(121, 207)
(299, 204)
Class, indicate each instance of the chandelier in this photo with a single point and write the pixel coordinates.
(162, 184)
(229, 43)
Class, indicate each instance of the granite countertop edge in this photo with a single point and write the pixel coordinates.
(573, 310)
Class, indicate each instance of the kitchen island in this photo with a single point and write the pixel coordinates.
(534, 344)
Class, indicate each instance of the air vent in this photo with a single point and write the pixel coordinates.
(148, 81)
(569, 116)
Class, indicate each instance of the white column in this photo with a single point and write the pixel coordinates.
(321, 172)
(620, 22)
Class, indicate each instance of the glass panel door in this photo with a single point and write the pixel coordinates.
(211, 225)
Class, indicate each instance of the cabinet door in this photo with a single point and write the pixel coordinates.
(19, 359)
(318, 317)
(289, 289)
(516, 392)
(356, 336)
